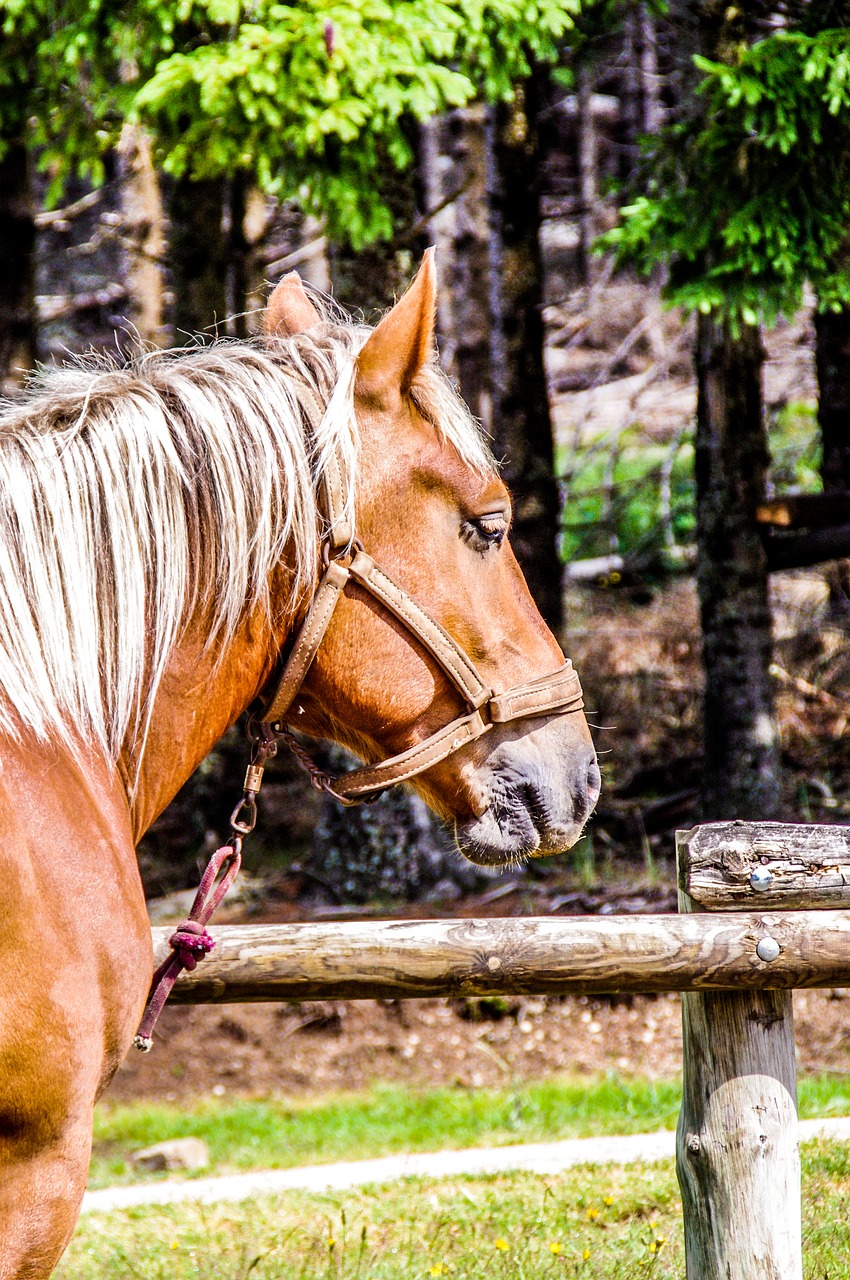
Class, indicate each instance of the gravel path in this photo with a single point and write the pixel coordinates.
(536, 1157)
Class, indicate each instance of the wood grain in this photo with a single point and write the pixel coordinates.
(529, 956)
(809, 865)
(737, 1146)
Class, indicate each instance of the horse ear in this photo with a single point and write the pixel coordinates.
(289, 310)
(403, 341)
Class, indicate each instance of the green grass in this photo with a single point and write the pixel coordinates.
(609, 1223)
(274, 1133)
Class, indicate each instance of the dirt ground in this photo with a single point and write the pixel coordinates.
(311, 1048)
(264, 1049)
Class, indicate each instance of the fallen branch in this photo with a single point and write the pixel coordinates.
(52, 307)
(55, 218)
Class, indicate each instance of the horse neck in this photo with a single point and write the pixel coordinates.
(201, 694)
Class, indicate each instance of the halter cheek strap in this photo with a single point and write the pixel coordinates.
(555, 694)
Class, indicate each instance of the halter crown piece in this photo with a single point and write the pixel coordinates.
(345, 559)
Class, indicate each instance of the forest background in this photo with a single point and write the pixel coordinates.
(641, 212)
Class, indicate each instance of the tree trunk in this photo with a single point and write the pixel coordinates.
(454, 178)
(631, 106)
(741, 772)
(141, 206)
(522, 426)
(198, 257)
(650, 81)
(238, 258)
(18, 330)
(832, 357)
(587, 170)
(369, 280)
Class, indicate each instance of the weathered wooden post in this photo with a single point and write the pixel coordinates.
(737, 1157)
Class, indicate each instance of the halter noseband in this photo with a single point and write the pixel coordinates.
(345, 560)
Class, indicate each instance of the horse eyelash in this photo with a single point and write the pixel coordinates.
(482, 538)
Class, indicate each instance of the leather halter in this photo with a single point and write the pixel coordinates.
(345, 560)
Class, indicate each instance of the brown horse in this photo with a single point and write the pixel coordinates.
(161, 533)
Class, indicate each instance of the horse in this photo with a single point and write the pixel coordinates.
(164, 524)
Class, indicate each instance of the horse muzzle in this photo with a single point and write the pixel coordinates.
(537, 800)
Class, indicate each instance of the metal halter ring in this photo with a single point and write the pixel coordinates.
(244, 826)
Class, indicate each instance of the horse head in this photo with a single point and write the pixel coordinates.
(432, 512)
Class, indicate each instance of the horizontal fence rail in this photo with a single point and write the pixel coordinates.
(526, 956)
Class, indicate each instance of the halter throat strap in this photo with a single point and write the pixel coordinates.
(557, 693)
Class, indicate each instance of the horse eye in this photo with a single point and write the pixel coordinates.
(484, 532)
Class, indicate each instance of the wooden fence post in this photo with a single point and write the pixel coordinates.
(737, 1145)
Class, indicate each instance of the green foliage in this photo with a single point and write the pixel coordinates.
(751, 200)
(309, 98)
(795, 450)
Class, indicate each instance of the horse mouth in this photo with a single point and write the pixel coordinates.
(522, 822)
(503, 836)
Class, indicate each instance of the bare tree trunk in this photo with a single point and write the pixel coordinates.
(649, 77)
(522, 426)
(369, 280)
(238, 257)
(454, 178)
(198, 256)
(18, 330)
(832, 356)
(141, 204)
(587, 169)
(741, 774)
(631, 104)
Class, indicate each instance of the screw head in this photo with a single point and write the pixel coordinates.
(760, 879)
(768, 949)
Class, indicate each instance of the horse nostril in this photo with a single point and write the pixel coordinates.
(594, 783)
(588, 789)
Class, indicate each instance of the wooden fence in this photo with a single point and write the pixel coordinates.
(760, 913)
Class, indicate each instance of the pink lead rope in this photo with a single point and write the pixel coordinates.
(190, 941)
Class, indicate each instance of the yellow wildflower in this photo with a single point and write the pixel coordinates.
(502, 1244)
(585, 1254)
(592, 1214)
(556, 1247)
(609, 1200)
(438, 1269)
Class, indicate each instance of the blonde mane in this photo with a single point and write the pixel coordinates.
(135, 498)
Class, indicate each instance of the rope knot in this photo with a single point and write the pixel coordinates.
(191, 942)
